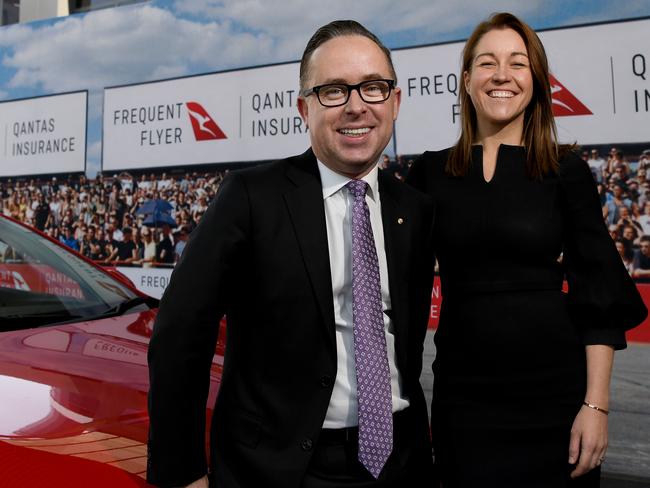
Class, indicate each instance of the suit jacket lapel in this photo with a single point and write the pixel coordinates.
(396, 236)
(306, 208)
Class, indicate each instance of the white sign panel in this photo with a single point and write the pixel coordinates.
(152, 281)
(429, 114)
(43, 135)
(604, 67)
(600, 79)
(244, 115)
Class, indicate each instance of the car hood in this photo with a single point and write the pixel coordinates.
(80, 390)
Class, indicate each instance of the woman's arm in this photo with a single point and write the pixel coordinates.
(589, 431)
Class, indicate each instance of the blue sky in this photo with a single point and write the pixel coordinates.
(168, 38)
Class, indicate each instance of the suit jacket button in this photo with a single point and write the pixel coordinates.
(306, 445)
(326, 381)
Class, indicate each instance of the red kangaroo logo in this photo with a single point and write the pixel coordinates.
(205, 128)
(564, 102)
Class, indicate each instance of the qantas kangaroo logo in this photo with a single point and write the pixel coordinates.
(564, 102)
(19, 282)
(205, 128)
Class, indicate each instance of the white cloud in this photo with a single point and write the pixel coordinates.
(94, 150)
(92, 168)
(95, 103)
(291, 23)
(14, 34)
(624, 10)
(147, 42)
(123, 45)
(93, 157)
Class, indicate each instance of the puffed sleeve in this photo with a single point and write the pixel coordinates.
(603, 299)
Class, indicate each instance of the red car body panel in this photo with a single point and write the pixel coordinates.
(78, 392)
(73, 401)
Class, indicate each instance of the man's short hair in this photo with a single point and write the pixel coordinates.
(338, 28)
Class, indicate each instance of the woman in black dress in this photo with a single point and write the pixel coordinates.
(522, 370)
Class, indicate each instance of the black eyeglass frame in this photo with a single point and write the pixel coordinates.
(316, 89)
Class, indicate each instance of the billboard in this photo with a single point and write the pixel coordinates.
(43, 135)
(242, 115)
(600, 83)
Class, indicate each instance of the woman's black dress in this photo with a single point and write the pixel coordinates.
(510, 369)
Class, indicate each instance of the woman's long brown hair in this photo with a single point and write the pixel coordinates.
(540, 133)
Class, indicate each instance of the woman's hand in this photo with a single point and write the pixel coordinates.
(588, 440)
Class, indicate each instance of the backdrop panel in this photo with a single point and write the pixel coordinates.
(43, 135)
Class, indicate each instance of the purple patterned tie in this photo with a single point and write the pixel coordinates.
(373, 374)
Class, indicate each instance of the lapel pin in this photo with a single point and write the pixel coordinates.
(400, 221)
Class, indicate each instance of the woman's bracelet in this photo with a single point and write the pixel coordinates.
(598, 409)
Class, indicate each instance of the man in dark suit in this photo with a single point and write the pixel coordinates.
(324, 268)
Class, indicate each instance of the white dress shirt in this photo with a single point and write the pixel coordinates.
(342, 410)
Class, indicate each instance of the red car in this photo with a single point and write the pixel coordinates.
(73, 368)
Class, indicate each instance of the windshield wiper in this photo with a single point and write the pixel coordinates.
(122, 307)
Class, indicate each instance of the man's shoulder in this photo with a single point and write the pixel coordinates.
(280, 165)
(269, 175)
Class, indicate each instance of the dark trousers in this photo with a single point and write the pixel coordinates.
(335, 461)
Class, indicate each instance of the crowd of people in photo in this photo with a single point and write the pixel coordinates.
(624, 189)
(101, 217)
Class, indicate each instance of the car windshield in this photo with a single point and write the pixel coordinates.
(41, 283)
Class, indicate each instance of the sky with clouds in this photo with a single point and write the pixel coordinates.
(169, 38)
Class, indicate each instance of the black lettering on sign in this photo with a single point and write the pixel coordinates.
(438, 85)
(159, 137)
(642, 101)
(276, 126)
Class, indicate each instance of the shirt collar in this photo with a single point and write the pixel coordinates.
(332, 181)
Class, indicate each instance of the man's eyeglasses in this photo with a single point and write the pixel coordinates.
(337, 94)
